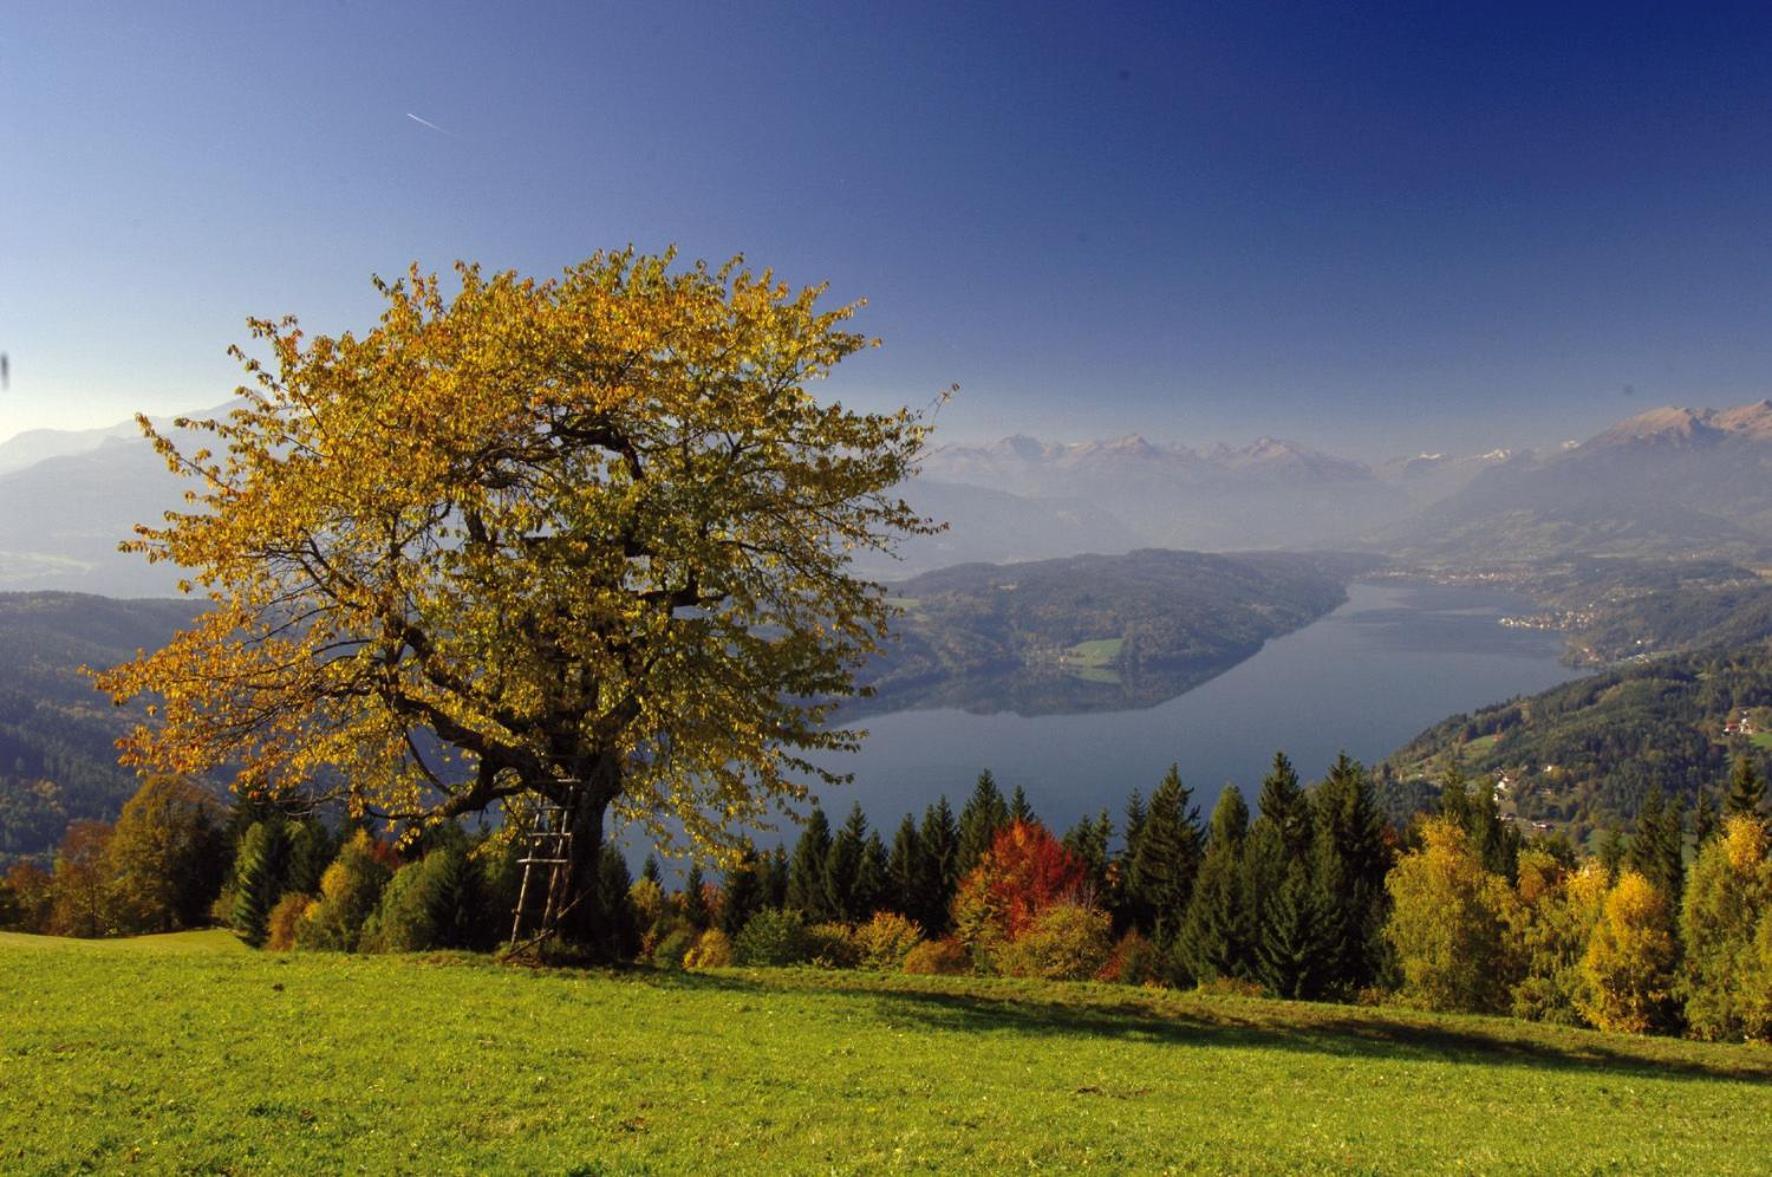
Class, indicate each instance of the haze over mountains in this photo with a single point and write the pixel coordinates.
(1669, 482)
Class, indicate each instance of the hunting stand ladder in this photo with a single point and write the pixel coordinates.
(548, 845)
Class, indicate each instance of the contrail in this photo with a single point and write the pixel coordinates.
(428, 123)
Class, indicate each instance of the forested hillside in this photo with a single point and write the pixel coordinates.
(57, 759)
(1590, 752)
(1095, 632)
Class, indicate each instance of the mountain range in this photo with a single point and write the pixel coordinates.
(1671, 482)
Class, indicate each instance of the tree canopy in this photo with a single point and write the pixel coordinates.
(582, 537)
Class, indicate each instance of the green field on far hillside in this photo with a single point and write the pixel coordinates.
(189, 1054)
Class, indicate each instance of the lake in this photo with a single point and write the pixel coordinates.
(1390, 662)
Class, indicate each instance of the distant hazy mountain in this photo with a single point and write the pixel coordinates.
(997, 527)
(1266, 495)
(1669, 482)
(37, 445)
(62, 518)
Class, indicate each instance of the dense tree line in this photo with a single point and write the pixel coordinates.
(1311, 895)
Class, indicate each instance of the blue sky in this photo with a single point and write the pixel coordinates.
(1377, 227)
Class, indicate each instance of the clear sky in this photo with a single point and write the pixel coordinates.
(1374, 227)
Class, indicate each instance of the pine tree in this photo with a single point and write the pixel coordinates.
(1706, 822)
(617, 926)
(1230, 819)
(1282, 803)
(1288, 942)
(1610, 852)
(1657, 852)
(905, 872)
(1120, 898)
(843, 869)
(455, 899)
(1747, 789)
(650, 870)
(1292, 943)
(259, 869)
(1170, 846)
(1472, 807)
(939, 841)
(1087, 842)
(775, 878)
(1350, 862)
(745, 890)
(695, 899)
(806, 893)
(984, 815)
(1020, 808)
(871, 879)
(1216, 937)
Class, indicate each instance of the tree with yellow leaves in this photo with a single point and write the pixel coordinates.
(1628, 968)
(584, 540)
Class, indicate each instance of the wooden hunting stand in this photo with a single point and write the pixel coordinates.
(547, 844)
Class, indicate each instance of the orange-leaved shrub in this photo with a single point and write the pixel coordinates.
(938, 958)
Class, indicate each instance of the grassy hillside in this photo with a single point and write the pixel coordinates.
(158, 1055)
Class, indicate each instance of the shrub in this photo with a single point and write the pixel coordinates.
(1066, 942)
(1242, 987)
(670, 948)
(285, 918)
(773, 938)
(402, 921)
(1133, 961)
(32, 894)
(713, 950)
(833, 946)
(886, 940)
(944, 958)
(349, 893)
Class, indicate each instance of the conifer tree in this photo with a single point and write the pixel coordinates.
(455, 900)
(1657, 852)
(1087, 842)
(258, 877)
(1161, 876)
(650, 870)
(1288, 942)
(695, 899)
(1216, 937)
(843, 869)
(985, 814)
(806, 893)
(1351, 861)
(906, 875)
(871, 879)
(1120, 895)
(1610, 851)
(1706, 821)
(1282, 803)
(1747, 789)
(775, 877)
(1020, 808)
(939, 841)
(616, 925)
(745, 890)
(1292, 943)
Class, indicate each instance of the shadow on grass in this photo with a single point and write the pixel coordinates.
(1341, 1031)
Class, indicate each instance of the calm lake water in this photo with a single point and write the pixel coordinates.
(1392, 661)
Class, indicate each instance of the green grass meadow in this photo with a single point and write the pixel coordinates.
(191, 1054)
